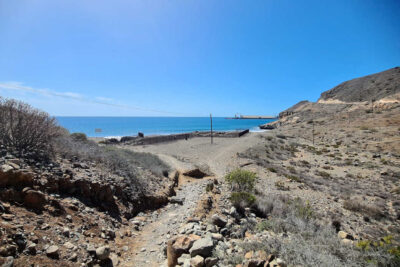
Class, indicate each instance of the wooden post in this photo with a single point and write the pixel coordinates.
(211, 132)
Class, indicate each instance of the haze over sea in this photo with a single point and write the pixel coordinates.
(127, 126)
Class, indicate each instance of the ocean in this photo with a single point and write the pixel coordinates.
(128, 126)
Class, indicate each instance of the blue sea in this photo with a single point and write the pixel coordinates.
(127, 126)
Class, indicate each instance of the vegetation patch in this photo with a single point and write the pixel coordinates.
(323, 174)
(368, 210)
(242, 185)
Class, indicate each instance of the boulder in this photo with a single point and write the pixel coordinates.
(197, 261)
(102, 253)
(202, 247)
(34, 199)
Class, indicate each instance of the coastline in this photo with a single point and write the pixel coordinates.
(117, 127)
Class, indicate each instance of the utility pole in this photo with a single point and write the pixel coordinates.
(211, 131)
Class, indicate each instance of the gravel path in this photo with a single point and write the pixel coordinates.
(183, 155)
(149, 245)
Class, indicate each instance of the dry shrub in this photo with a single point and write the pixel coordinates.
(25, 129)
(119, 161)
(356, 205)
(308, 242)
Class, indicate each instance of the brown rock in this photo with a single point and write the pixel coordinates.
(177, 246)
(34, 199)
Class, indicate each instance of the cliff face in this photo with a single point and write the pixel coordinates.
(368, 88)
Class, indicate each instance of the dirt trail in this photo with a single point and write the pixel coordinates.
(148, 247)
(183, 155)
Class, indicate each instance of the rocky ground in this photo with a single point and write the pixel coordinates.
(326, 193)
(199, 226)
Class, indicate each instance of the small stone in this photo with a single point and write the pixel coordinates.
(197, 261)
(103, 252)
(347, 241)
(66, 231)
(280, 262)
(218, 220)
(8, 217)
(52, 251)
(68, 218)
(73, 257)
(249, 255)
(183, 258)
(177, 200)
(342, 234)
(91, 249)
(218, 237)
(69, 245)
(209, 262)
(8, 262)
(31, 248)
(6, 168)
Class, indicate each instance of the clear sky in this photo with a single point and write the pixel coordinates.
(186, 57)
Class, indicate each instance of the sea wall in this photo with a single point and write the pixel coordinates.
(147, 140)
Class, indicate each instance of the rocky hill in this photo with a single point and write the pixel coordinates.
(368, 88)
(372, 93)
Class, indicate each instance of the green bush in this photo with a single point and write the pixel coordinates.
(241, 180)
(242, 199)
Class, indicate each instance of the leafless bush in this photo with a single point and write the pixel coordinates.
(26, 129)
(119, 161)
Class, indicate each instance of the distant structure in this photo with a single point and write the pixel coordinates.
(252, 117)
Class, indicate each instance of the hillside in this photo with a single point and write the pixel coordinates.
(368, 88)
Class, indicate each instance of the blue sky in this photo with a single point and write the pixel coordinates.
(189, 58)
